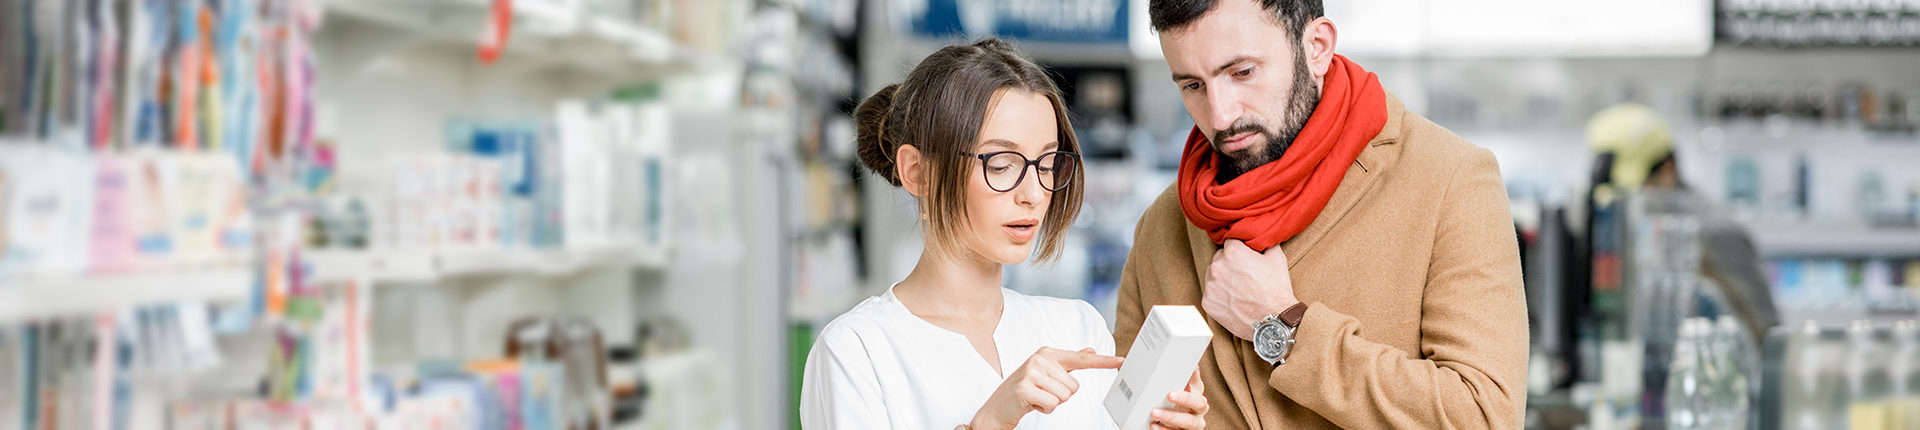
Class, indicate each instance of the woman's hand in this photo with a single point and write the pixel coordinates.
(1189, 408)
(1040, 384)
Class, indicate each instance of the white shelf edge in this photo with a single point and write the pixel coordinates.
(1777, 240)
(544, 37)
(25, 299)
(432, 265)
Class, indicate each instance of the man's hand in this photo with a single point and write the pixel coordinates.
(1244, 286)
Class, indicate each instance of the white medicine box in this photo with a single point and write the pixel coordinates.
(1163, 356)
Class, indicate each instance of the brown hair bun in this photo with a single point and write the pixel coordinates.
(876, 145)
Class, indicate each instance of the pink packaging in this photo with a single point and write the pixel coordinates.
(112, 239)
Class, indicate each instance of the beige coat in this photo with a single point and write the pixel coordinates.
(1416, 319)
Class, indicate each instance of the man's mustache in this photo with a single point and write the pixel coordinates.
(1241, 127)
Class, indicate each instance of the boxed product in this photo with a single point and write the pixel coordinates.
(1163, 357)
(47, 203)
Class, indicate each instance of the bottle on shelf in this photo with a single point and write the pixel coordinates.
(1867, 407)
(1904, 373)
(1813, 394)
(1730, 351)
(1689, 395)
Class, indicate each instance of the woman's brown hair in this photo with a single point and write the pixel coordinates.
(939, 109)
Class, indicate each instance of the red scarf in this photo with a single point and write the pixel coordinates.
(1273, 202)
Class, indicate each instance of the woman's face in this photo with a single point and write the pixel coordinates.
(1003, 225)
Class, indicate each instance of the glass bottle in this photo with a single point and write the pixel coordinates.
(1687, 398)
(1866, 379)
(1730, 352)
(1904, 373)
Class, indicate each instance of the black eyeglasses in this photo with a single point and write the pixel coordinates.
(1005, 169)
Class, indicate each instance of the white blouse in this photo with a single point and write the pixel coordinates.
(880, 367)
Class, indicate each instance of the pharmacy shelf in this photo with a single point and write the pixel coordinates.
(26, 299)
(430, 266)
(542, 37)
(1795, 241)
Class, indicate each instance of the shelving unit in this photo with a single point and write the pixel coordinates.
(28, 299)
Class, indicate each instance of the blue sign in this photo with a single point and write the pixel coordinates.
(1072, 21)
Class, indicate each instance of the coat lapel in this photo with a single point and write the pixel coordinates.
(1360, 179)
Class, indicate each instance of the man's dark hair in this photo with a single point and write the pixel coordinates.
(1292, 14)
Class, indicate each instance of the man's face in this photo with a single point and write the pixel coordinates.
(1244, 80)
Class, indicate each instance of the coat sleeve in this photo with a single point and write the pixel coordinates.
(839, 389)
(1471, 367)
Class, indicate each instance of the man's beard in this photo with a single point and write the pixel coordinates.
(1304, 98)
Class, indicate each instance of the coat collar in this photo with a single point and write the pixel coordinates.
(1374, 162)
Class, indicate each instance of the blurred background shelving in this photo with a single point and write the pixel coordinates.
(428, 190)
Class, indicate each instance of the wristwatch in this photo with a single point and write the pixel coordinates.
(1273, 335)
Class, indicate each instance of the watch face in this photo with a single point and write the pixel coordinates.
(1267, 342)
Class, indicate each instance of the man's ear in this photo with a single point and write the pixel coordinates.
(1316, 43)
(909, 168)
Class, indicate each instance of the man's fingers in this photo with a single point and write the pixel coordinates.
(1086, 359)
(1236, 245)
(1178, 420)
(1276, 254)
(1189, 402)
(1195, 386)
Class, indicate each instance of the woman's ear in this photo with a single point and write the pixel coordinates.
(907, 166)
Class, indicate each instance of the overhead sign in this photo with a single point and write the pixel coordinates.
(1071, 21)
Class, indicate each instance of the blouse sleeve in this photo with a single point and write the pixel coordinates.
(839, 389)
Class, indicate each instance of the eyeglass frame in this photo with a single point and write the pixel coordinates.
(1029, 164)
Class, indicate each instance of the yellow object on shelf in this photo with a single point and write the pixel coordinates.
(1869, 416)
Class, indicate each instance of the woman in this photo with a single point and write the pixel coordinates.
(977, 134)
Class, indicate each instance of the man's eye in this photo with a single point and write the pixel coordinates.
(1191, 86)
(1244, 72)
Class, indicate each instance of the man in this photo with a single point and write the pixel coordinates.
(1357, 260)
(1640, 145)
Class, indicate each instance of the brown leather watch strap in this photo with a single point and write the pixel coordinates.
(1292, 316)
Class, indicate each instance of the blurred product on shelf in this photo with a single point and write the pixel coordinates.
(556, 374)
(1818, 23)
(49, 203)
(1858, 377)
(1709, 386)
(103, 371)
(1817, 287)
(148, 159)
(70, 213)
(1867, 402)
(583, 400)
(229, 76)
(598, 179)
(1903, 371)
(1852, 104)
